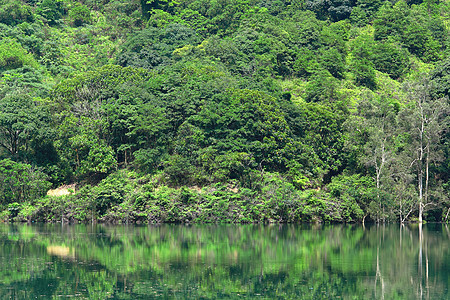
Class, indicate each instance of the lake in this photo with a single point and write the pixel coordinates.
(224, 261)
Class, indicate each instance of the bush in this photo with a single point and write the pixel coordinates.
(14, 12)
(364, 73)
(353, 195)
(80, 15)
(51, 10)
(390, 59)
(21, 182)
(13, 56)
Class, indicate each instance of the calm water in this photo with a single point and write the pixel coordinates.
(224, 261)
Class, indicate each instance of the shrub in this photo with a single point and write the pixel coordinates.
(51, 10)
(80, 15)
(14, 12)
(13, 56)
(21, 182)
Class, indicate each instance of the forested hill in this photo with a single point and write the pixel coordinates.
(224, 111)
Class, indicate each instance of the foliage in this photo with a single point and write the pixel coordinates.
(154, 47)
(355, 194)
(13, 12)
(20, 182)
(80, 15)
(51, 10)
(97, 84)
(13, 56)
(24, 122)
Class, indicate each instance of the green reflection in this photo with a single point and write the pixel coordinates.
(224, 261)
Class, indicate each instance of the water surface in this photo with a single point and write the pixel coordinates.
(224, 261)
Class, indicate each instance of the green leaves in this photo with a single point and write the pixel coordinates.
(80, 15)
(98, 84)
(80, 143)
(51, 10)
(245, 121)
(153, 47)
(22, 121)
(21, 182)
(355, 193)
(14, 12)
(13, 56)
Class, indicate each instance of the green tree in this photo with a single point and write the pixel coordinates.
(136, 123)
(97, 85)
(153, 47)
(372, 132)
(323, 133)
(390, 59)
(354, 195)
(440, 80)
(361, 64)
(322, 87)
(364, 72)
(22, 120)
(13, 56)
(391, 21)
(13, 12)
(21, 182)
(82, 145)
(424, 123)
(51, 10)
(80, 15)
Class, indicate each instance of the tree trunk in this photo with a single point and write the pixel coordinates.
(420, 166)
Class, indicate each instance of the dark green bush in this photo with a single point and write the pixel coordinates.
(13, 12)
(51, 10)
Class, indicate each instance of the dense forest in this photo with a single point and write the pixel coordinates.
(224, 110)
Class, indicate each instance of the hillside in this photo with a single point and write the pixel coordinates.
(225, 111)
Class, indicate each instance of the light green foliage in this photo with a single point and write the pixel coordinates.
(13, 56)
(97, 84)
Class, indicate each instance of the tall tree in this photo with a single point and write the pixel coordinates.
(423, 121)
(373, 130)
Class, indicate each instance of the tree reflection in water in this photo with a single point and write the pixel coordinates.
(225, 261)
